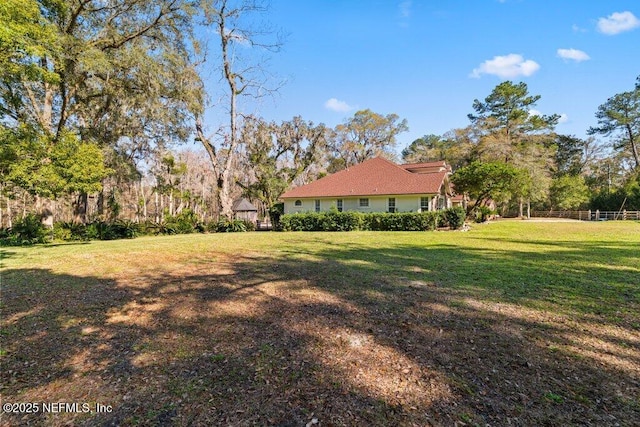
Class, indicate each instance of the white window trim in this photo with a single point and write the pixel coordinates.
(428, 203)
(395, 208)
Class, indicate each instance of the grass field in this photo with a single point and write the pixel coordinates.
(510, 323)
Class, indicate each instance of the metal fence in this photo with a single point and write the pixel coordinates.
(596, 215)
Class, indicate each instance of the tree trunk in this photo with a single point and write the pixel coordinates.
(156, 208)
(144, 201)
(9, 219)
(521, 208)
(634, 148)
(43, 207)
(80, 208)
(225, 190)
(224, 196)
(100, 203)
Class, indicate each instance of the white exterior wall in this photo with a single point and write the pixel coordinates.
(408, 203)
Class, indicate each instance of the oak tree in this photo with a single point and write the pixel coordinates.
(366, 135)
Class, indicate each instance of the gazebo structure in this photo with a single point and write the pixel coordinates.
(244, 210)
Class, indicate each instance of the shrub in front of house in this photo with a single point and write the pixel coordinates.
(405, 221)
(322, 221)
(301, 222)
(348, 221)
(340, 221)
(454, 217)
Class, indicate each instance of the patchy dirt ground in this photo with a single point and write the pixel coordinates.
(259, 340)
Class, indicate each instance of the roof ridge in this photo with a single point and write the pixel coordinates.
(392, 163)
(425, 163)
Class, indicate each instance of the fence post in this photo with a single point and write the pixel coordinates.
(589, 214)
(597, 214)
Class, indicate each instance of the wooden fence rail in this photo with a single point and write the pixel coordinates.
(596, 215)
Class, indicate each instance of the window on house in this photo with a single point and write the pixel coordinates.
(392, 204)
(424, 204)
(364, 203)
(298, 203)
(317, 205)
(442, 202)
(339, 205)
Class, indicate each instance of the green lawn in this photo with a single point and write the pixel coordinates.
(528, 323)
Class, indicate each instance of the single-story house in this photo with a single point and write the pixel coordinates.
(376, 185)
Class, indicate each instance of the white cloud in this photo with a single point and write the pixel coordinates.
(533, 112)
(563, 118)
(618, 22)
(573, 54)
(334, 104)
(405, 8)
(577, 29)
(506, 67)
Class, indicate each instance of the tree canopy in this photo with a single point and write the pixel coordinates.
(366, 135)
(486, 181)
(113, 77)
(619, 117)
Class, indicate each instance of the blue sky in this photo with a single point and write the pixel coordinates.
(428, 60)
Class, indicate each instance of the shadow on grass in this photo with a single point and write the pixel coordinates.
(402, 335)
(56, 245)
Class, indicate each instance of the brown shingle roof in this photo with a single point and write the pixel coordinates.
(377, 176)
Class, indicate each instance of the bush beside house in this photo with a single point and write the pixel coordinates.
(375, 221)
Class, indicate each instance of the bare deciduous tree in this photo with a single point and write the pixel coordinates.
(243, 75)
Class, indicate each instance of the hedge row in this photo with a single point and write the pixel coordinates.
(375, 221)
(29, 230)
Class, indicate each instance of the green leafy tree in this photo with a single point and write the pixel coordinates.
(619, 118)
(484, 181)
(277, 155)
(509, 130)
(427, 148)
(568, 192)
(366, 135)
(508, 111)
(573, 154)
(116, 76)
(52, 169)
